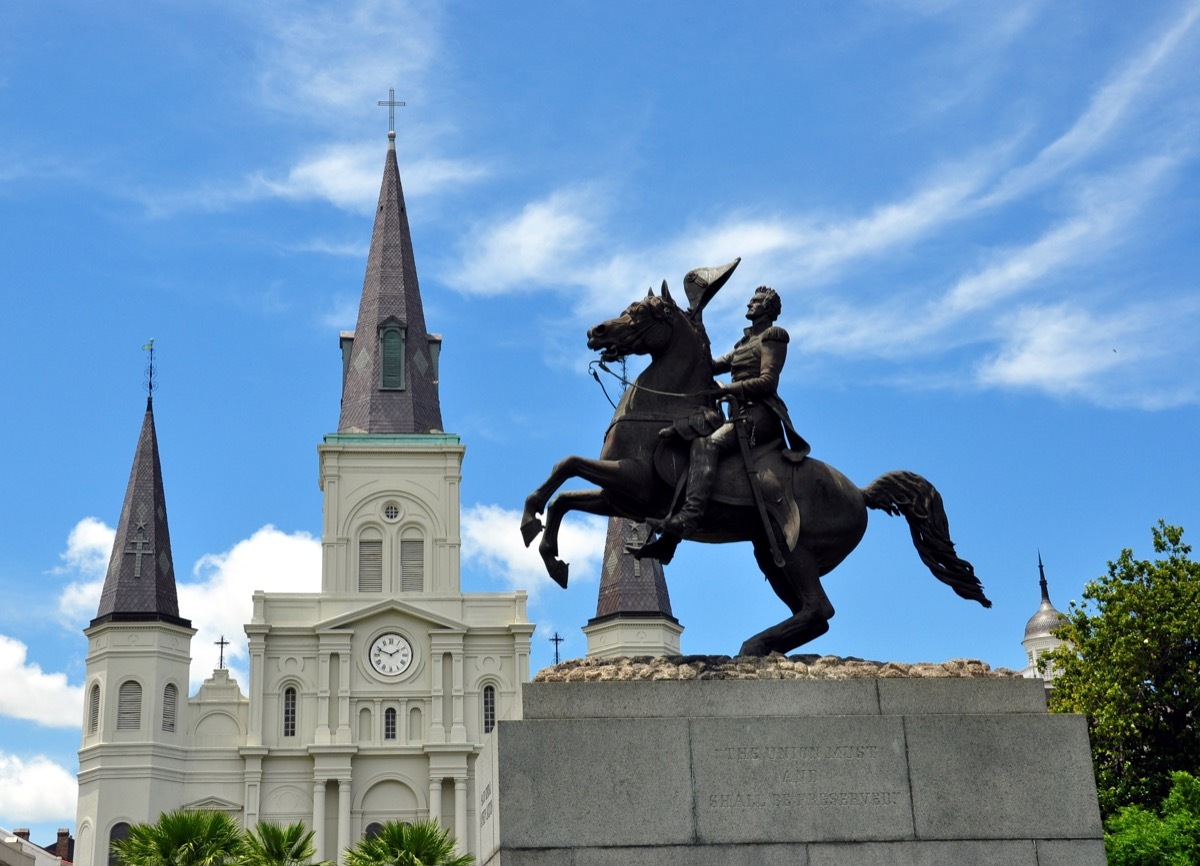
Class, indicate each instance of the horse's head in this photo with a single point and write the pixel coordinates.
(645, 328)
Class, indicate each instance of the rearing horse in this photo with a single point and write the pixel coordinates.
(631, 483)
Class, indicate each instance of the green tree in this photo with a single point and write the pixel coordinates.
(1132, 665)
(184, 837)
(272, 845)
(422, 843)
(1135, 836)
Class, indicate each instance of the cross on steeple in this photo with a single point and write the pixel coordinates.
(137, 546)
(391, 103)
(222, 643)
(556, 640)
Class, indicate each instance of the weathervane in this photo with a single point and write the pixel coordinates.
(222, 643)
(150, 385)
(391, 103)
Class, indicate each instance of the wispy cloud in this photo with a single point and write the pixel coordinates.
(1110, 105)
(1036, 228)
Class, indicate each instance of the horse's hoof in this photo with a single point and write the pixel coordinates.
(558, 572)
(754, 647)
(530, 530)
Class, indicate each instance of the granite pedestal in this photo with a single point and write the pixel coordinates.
(805, 772)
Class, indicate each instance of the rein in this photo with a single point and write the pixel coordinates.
(628, 384)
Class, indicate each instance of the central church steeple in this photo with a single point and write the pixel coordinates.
(390, 362)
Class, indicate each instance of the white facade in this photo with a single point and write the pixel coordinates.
(367, 701)
(323, 737)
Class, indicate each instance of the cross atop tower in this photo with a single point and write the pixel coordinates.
(222, 643)
(391, 103)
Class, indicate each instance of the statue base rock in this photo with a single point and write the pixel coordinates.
(925, 769)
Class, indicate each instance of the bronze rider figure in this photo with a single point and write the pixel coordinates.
(755, 363)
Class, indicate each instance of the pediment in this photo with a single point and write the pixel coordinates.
(392, 606)
(216, 804)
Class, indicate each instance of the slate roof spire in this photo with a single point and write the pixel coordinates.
(630, 587)
(390, 362)
(140, 583)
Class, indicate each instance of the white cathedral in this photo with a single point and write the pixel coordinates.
(367, 701)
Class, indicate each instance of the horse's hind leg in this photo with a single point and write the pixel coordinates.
(798, 585)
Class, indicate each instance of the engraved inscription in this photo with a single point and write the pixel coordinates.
(801, 776)
(486, 805)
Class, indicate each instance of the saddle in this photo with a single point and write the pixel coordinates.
(776, 470)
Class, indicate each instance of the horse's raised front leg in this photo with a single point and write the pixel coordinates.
(602, 473)
(589, 501)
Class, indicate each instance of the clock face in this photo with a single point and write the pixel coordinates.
(391, 654)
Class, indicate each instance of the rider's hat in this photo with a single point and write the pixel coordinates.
(702, 284)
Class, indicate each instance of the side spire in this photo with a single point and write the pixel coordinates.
(633, 610)
(390, 362)
(140, 583)
(630, 586)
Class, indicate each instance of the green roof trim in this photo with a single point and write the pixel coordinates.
(430, 440)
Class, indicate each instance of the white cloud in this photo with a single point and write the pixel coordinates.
(1066, 350)
(330, 60)
(532, 249)
(347, 175)
(31, 694)
(89, 546)
(1059, 349)
(492, 541)
(37, 789)
(220, 603)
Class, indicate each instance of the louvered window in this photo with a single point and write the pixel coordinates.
(129, 706)
(370, 565)
(170, 698)
(489, 708)
(94, 710)
(391, 357)
(289, 712)
(412, 565)
(389, 724)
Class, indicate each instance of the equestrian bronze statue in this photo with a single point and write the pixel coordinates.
(672, 459)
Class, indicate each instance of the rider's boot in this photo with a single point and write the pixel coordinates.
(702, 474)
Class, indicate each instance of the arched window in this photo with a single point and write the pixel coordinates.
(389, 723)
(119, 831)
(489, 708)
(289, 712)
(129, 706)
(373, 830)
(93, 723)
(412, 561)
(391, 354)
(370, 561)
(170, 699)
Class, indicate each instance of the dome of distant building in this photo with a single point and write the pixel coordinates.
(1039, 639)
(1042, 622)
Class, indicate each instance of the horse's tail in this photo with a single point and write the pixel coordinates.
(909, 494)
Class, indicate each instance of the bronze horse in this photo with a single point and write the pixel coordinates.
(638, 475)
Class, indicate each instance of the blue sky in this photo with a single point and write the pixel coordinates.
(983, 219)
